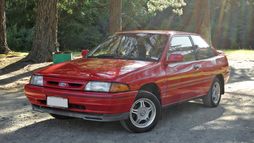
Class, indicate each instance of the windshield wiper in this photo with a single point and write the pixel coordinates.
(103, 56)
(114, 56)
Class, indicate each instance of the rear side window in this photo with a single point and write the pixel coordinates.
(203, 50)
(182, 45)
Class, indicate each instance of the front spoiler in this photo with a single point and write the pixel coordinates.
(85, 116)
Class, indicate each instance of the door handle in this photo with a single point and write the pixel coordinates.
(197, 67)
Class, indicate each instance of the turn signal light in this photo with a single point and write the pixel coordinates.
(117, 87)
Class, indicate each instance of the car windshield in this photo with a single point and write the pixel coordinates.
(146, 47)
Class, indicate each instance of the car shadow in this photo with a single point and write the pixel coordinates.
(175, 121)
(186, 122)
(237, 75)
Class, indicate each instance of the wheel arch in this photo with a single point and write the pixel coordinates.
(221, 79)
(152, 88)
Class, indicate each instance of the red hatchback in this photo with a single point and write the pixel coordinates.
(130, 77)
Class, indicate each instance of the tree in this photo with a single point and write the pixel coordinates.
(3, 41)
(197, 18)
(45, 39)
(150, 14)
(115, 19)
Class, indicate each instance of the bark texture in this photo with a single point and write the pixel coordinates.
(115, 19)
(3, 40)
(45, 40)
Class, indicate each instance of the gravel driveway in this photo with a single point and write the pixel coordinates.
(232, 121)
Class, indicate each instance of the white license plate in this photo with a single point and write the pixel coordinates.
(57, 102)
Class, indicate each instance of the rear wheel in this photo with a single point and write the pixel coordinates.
(144, 113)
(214, 96)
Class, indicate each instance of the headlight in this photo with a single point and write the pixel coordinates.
(106, 87)
(98, 86)
(36, 80)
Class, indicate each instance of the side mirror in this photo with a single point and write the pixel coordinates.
(84, 53)
(175, 58)
(195, 47)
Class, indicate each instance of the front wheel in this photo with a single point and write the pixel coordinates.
(214, 96)
(144, 113)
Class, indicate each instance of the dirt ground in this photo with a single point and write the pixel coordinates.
(232, 121)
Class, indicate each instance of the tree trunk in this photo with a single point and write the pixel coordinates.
(45, 40)
(251, 31)
(115, 19)
(219, 27)
(199, 19)
(3, 40)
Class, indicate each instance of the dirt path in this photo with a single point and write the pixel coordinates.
(232, 121)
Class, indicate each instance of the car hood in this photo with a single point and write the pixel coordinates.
(94, 69)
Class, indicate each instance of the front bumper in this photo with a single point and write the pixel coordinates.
(85, 105)
(85, 116)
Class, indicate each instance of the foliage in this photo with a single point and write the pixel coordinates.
(20, 39)
(231, 22)
(20, 16)
(140, 14)
(159, 5)
(235, 30)
(84, 23)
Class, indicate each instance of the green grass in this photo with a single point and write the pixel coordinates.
(247, 52)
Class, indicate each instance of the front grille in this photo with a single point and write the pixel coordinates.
(70, 84)
(52, 83)
(75, 85)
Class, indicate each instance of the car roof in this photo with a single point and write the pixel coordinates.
(163, 32)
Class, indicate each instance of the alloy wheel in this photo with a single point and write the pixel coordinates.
(142, 113)
(216, 93)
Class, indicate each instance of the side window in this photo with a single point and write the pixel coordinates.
(182, 45)
(203, 50)
(181, 42)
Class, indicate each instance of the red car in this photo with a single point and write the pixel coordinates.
(130, 77)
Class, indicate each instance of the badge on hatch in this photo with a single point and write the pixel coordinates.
(62, 84)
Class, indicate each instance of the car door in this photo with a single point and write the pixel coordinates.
(206, 62)
(181, 77)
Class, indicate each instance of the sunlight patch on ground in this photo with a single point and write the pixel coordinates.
(240, 54)
(242, 85)
(18, 125)
(14, 54)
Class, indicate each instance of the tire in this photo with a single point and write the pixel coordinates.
(60, 117)
(144, 113)
(214, 96)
